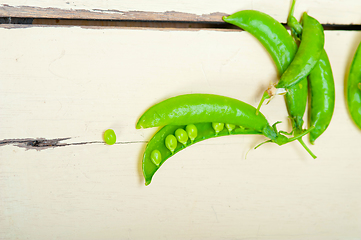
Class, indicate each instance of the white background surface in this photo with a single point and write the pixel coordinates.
(77, 82)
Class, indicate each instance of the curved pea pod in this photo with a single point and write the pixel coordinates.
(322, 91)
(196, 108)
(307, 55)
(157, 143)
(353, 88)
(272, 34)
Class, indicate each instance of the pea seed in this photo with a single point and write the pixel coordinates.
(192, 131)
(171, 142)
(218, 127)
(109, 137)
(156, 157)
(230, 127)
(181, 136)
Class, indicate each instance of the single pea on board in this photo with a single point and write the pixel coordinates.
(109, 137)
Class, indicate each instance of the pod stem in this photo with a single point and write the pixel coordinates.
(296, 27)
(307, 149)
(264, 97)
(290, 15)
(262, 143)
(301, 135)
(298, 131)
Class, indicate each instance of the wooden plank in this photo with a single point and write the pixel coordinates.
(60, 82)
(335, 12)
(51, 12)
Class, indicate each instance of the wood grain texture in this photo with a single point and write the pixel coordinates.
(59, 82)
(327, 12)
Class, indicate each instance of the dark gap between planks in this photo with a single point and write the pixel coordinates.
(142, 24)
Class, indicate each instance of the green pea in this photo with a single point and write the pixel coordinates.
(156, 157)
(171, 142)
(230, 127)
(109, 137)
(181, 136)
(192, 131)
(217, 127)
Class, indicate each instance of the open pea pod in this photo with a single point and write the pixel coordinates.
(196, 109)
(157, 151)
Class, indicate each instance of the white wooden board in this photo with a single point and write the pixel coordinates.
(326, 11)
(77, 82)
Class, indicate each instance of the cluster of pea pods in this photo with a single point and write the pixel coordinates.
(305, 73)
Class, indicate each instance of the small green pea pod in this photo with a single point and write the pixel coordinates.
(157, 147)
(353, 88)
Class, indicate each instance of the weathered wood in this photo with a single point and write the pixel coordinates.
(336, 12)
(60, 82)
(36, 12)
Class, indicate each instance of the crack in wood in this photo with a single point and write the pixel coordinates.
(43, 143)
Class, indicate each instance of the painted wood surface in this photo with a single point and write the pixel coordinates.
(326, 11)
(72, 82)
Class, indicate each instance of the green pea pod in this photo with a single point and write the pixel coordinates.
(157, 143)
(322, 91)
(196, 108)
(272, 34)
(282, 48)
(353, 88)
(322, 86)
(308, 53)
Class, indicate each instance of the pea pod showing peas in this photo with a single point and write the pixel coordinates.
(196, 108)
(353, 88)
(157, 151)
